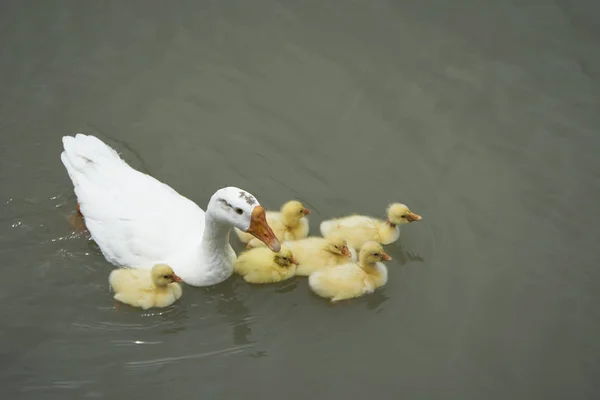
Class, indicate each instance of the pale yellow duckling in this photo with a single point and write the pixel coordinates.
(314, 253)
(144, 288)
(261, 265)
(290, 223)
(359, 229)
(352, 280)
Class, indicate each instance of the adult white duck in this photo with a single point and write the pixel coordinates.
(138, 221)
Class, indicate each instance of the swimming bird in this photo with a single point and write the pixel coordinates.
(359, 229)
(144, 288)
(138, 221)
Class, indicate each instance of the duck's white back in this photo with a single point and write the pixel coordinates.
(136, 220)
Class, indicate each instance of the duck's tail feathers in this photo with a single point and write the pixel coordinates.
(84, 152)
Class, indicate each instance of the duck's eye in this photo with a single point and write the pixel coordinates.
(239, 211)
(376, 254)
(166, 276)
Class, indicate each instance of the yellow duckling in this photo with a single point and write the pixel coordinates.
(290, 223)
(352, 280)
(261, 265)
(314, 253)
(144, 288)
(359, 229)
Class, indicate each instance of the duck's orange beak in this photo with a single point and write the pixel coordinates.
(385, 256)
(177, 278)
(411, 216)
(306, 211)
(260, 229)
(346, 252)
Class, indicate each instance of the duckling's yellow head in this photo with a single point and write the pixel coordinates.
(338, 245)
(372, 252)
(285, 257)
(163, 274)
(398, 214)
(293, 211)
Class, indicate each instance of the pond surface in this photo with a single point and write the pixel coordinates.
(483, 117)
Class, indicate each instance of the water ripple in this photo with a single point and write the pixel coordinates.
(169, 360)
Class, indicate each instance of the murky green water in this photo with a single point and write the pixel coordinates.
(481, 116)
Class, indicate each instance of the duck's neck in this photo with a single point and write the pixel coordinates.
(389, 233)
(216, 236)
(368, 265)
(160, 288)
(290, 222)
(326, 251)
(369, 268)
(214, 262)
(378, 274)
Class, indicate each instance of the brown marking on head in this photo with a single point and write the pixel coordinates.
(248, 197)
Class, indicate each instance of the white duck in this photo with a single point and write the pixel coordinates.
(139, 222)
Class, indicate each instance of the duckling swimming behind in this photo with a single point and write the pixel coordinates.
(158, 287)
(314, 253)
(290, 223)
(354, 279)
(358, 229)
(261, 265)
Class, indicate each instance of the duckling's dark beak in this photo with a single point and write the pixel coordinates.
(411, 216)
(260, 229)
(346, 251)
(385, 256)
(306, 211)
(177, 278)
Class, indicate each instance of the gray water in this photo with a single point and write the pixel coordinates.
(482, 116)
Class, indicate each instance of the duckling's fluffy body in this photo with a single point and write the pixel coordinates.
(314, 253)
(353, 279)
(261, 265)
(359, 229)
(290, 223)
(144, 288)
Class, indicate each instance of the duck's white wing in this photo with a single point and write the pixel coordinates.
(135, 219)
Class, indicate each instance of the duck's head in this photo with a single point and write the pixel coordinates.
(293, 211)
(162, 275)
(372, 252)
(338, 245)
(241, 209)
(398, 214)
(285, 258)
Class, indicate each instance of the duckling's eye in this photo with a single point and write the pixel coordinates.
(239, 211)
(166, 276)
(376, 254)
